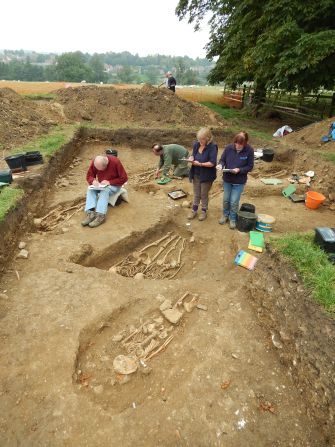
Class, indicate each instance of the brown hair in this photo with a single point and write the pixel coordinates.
(241, 138)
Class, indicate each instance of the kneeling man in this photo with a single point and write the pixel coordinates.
(105, 177)
(171, 155)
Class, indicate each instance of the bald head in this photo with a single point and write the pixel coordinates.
(101, 162)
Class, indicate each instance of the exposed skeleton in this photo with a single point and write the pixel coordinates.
(143, 177)
(157, 264)
(58, 215)
(153, 335)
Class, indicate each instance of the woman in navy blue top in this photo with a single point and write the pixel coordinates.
(203, 171)
(237, 160)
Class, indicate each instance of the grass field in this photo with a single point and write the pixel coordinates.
(36, 90)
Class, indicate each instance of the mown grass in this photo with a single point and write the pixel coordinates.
(239, 120)
(312, 263)
(40, 96)
(225, 112)
(329, 156)
(8, 199)
(50, 143)
(47, 145)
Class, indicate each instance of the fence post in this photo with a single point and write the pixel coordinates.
(332, 106)
(243, 95)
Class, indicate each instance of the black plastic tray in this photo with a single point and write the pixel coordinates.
(177, 194)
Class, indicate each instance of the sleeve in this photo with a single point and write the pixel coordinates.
(222, 160)
(161, 162)
(167, 163)
(90, 176)
(250, 162)
(212, 156)
(195, 149)
(122, 176)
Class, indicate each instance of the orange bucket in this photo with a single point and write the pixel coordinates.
(314, 199)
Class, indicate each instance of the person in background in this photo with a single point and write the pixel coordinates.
(203, 171)
(238, 157)
(107, 174)
(171, 154)
(170, 82)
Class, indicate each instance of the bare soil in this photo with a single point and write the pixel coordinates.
(310, 135)
(220, 382)
(20, 119)
(147, 106)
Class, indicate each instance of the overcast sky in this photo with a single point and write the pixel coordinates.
(138, 26)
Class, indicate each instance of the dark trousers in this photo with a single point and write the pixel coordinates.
(200, 192)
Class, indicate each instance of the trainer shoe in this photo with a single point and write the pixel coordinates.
(99, 219)
(90, 216)
(192, 215)
(232, 224)
(202, 216)
(223, 220)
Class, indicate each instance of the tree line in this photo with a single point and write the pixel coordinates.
(286, 44)
(106, 67)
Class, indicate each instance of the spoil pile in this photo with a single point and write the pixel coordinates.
(146, 106)
(20, 119)
(312, 134)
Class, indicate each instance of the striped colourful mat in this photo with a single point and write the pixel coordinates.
(246, 260)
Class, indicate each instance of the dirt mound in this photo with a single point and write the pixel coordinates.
(20, 119)
(146, 106)
(312, 134)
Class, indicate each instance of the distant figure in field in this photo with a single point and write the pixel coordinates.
(170, 82)
(105, 177)
(171, 155)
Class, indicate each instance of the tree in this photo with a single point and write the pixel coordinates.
(126, 74)
(72, 67)
(275, 43)
(97, 67)
(151, 75)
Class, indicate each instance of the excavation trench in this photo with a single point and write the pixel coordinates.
(221, 368)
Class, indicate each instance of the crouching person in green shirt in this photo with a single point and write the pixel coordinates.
(171, 155)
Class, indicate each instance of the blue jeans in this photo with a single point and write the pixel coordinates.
(98, 200)
(231, 199)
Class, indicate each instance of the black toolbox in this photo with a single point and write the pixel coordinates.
(325, 238)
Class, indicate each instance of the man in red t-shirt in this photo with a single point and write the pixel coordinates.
(105, 177)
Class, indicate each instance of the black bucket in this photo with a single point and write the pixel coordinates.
(246, 221)
(268, 154)
(249, 207)
(33, 158)
(111, 151)
(17, 161)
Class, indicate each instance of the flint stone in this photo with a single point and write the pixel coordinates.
(172, 315)
(165, 305)
(23, 254)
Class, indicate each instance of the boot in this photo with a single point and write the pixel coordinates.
(232, 224)
(223, 220)
(99, 219)
(192, 215)
(203, 215)
(90, 215)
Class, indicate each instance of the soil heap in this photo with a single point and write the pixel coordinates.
(312, 134)
(148, 106)
(20, 119)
